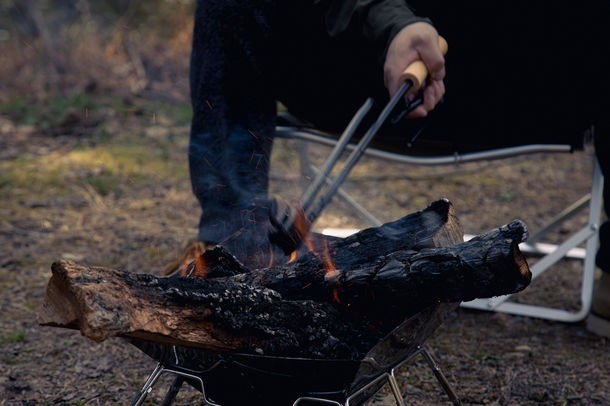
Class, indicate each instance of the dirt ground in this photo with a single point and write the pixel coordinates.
(99, 176)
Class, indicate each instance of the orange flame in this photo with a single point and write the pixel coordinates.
(197, 268)
(330, 269)
(271, 261)
(323, 254)
(301, 224)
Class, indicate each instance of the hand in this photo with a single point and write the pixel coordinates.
(417, 41)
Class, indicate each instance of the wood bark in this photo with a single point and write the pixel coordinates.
(307, 308)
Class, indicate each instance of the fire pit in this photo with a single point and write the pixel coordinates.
(238, 379)
(298, 332)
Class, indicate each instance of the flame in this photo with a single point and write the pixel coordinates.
(271, 261)
(329, 266)
(198, 267)
(301, 224)
(299, 229)
(336, 297)
(330, 269)
(323, 254)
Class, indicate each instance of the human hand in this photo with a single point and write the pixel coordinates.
(417, 41)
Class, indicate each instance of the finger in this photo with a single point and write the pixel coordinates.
(432, 95)
(434, 60)
(419, 112)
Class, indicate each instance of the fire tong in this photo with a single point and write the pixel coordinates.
(292, 226)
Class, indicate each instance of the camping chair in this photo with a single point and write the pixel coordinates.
(443, 151)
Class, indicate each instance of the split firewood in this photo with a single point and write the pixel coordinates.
(336, 304)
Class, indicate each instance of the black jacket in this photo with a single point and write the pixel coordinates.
(375, 21)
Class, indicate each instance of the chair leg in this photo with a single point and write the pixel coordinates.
(588, 235)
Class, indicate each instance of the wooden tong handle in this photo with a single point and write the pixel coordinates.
(417, 71)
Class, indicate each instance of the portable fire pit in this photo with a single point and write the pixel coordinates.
(239, 379)
(302, 332)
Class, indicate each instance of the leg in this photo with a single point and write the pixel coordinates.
(233, 123)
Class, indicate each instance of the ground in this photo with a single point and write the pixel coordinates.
(99, 176)
(124, 200)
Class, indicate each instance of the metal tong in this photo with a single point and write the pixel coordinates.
(413, 77)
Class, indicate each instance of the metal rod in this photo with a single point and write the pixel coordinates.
(559, 219)
(442, 380)
(351, 202)
(332, 159)
(173, 390)
(358, 151)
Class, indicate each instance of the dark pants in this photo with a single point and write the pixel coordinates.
(528, 72)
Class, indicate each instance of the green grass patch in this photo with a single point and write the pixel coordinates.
(25, 112)
(180, 113)
(53, 111)
(11, 338)
(105, 168)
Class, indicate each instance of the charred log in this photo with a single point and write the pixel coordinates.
(378, 278)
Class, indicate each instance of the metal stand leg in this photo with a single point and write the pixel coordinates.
(147, 387)
(395, 389)
(436, 370)
(181, 376)
(173, 390)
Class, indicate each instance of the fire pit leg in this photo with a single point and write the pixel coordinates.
(395, 389)
(181, 376)
(442, 379)
(147, 387)
(173, 391)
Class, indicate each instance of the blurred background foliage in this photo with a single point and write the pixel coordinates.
(64, 49)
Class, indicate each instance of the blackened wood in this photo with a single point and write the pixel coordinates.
(389, 287)
(216, 314)
(380, 276)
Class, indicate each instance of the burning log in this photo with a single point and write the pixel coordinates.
(312, 307)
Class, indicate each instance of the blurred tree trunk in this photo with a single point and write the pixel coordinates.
(50, 53)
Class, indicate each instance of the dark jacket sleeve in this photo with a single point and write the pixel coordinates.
(373, 21)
